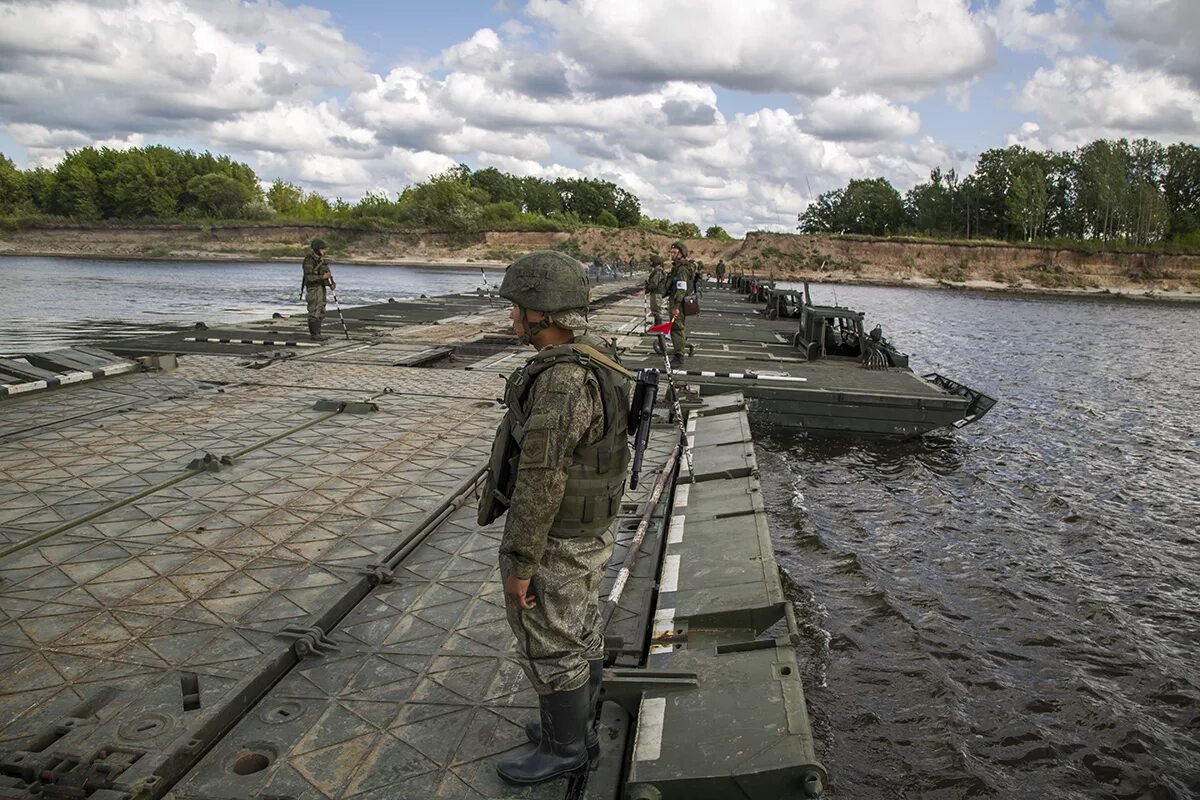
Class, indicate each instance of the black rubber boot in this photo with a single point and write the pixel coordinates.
(561, 749)
(677, 360)
(314, 330)
(533, 730)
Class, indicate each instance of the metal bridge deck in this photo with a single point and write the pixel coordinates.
(259, 574)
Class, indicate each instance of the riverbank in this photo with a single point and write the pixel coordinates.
(982, 266)
(994, 287)
(199, 257)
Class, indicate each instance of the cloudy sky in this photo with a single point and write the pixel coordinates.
(711, 111)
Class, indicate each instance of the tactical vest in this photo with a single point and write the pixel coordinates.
(312, 275)
(597, 472)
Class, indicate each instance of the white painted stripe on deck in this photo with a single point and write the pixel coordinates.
(675, 533)
(117, 369)
(691, 425)
(664, 625)
(65, 379)
(670, 576)
(681, 495)
(782, 378)
(276, 342)
(74, 377)
(30, 386)
(647, 746)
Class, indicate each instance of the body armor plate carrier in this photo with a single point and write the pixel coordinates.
(597, 473)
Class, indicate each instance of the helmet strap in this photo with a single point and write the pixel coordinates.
(532, 328)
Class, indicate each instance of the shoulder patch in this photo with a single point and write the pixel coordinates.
(539, 431)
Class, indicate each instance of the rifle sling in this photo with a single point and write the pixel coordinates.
(603, 360)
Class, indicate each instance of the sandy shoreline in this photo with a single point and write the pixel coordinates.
(428, 263)
(414, 263)
(993, 287)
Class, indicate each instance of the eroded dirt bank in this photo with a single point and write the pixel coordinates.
(783, 256)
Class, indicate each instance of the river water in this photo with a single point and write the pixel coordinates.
(1006, 611)
(1010, 610)
(54, 302)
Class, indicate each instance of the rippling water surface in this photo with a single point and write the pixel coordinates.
(1010, 610)
(1006, 611)
(55, 302)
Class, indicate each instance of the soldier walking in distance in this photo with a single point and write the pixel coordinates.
(683, 272)
(720, 272)
(656, 287)
(316, 279)
(559, 466)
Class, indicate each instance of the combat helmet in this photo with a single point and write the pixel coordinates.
(547, 281)
(318, 244)
(681, 247)
(656, 259)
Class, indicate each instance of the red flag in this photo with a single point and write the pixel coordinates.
(664, 329)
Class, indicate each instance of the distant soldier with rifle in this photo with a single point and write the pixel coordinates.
(683, 273)
(559, 467)
(656, 287)
(317, 278)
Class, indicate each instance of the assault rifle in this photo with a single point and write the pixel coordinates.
(641, 413)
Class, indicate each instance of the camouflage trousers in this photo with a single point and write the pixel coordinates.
(655, 301)
(315, 295)
(561, 634)
(679, 336)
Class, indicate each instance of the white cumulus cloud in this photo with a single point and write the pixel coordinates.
(901, 48)
(1020, 27)
(1084, 98)
(1160, 34)
(838, 115)
(162, 66)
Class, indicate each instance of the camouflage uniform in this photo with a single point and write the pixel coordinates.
(720, 273)
(558, 468)
(682, 274)
(656, 287)
(314, 285)
(561, 634)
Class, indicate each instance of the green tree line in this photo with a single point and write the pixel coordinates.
(1139, 193)
(143, 183)
(162, 184)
